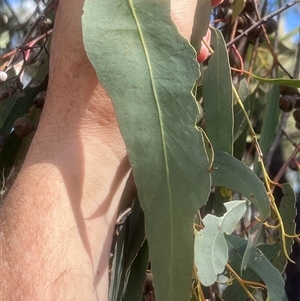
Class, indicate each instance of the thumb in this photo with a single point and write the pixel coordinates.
(182, 13)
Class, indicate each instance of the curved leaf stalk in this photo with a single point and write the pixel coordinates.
(240, 281)
(252, 132)
(195, 292)
(207, 45)
(212, 159)
(265, 176)
(229, 281)
(292, 236)
(255, 284)
(281, 226)
(276, 81)
(199, 293)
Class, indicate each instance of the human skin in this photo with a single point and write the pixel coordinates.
(76, 166)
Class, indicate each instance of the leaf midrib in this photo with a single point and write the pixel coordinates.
(160, 125)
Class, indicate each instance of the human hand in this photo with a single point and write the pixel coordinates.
(183, 16)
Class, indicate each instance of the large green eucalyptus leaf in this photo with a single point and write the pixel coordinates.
(217, 97)
(235, 175)
(149, 71)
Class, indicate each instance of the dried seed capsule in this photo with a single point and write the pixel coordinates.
(4, 94)
(285, 90)
(249, 7)
(40, 100)
(287, 103)
(297, 125)
(18, 84)
(297, 104)
(23, 127)
(3, 76)
(296, 115)
(11, 91)
(242, 22)
(271, 26)
(255, 32)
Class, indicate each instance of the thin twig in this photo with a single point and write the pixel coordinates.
(286, 163)
(284, 133)
(263, 20)
(51, 5)
(265, 35)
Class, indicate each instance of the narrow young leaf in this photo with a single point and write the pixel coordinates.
(217, 97)
(149, 71)
(279, 81)
(253, 237)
